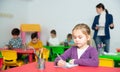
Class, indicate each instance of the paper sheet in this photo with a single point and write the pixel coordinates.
(68, 65)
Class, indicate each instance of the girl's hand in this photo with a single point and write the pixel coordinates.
(61, 63)
(30, 47)
(72, 61)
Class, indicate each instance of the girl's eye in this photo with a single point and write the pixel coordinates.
(79, 37)
(74, 37)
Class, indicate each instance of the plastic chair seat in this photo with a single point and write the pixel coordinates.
(106, 62)
(10, 58)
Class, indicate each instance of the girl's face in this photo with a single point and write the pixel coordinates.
(99, 10)
(34, 40)
(79, 38)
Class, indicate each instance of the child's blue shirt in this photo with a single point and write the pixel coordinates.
(16, 43)
(71, 42)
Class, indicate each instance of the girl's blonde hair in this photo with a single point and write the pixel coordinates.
(84, 28)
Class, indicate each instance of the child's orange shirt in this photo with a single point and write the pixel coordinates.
(37, 45)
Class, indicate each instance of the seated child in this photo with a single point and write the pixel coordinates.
(82, 54)
(69, 40)
(53, 40)
(16, 41)
(35, 42)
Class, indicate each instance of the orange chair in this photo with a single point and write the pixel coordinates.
(10, 58)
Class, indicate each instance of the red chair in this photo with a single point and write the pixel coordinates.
(118, 49)
(1, 61)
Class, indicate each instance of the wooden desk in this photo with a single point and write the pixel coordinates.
(22, 51)
(32, 67)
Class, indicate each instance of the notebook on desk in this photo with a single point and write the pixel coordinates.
(68, 65)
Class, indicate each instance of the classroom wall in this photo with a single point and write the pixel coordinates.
(61, 15)
(12, 14)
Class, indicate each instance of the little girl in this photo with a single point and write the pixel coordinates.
(81, 54)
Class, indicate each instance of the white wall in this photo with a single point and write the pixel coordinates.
(12, 14)
(61, 15)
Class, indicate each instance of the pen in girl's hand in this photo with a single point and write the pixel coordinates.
(59, 56)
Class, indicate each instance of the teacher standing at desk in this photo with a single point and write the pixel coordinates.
(101, 24)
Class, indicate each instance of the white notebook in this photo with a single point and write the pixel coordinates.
(68, 65)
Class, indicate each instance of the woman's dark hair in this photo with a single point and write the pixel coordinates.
(34, 35)
(53, 32)
(69, 35)
(15, 31)
(100, 5)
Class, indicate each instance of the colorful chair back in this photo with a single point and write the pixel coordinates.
(106, 62)
(46, 54)
(10, 58)
(29, 28)
(56, 50)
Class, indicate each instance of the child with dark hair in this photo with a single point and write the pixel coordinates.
(16, 41)
(53, 32)
(53, 40)
(35, 42)
(69, 41)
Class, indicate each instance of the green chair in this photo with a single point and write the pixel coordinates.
(0, 54)
(48, 47)
(55, 51)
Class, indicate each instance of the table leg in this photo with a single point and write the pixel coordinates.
(30, 57)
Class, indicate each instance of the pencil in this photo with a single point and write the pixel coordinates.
(59, 56)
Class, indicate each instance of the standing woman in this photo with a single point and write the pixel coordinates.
(101, 25)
